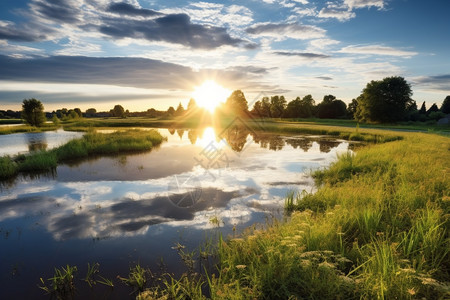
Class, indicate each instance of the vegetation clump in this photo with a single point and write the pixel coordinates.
(91, 144)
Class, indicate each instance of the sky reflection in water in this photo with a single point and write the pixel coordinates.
(142, 197)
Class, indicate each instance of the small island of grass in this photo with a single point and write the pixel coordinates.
(91, 144)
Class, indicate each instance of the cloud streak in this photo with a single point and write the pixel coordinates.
(291, 30)
(377, 50)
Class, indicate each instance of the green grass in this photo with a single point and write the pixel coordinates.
(26, 128)
(377, 228)
(91, 144)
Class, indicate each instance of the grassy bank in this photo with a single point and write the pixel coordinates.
(26, 128)
(91, 144)
(377, 228)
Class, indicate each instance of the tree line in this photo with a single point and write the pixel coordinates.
(383, 101)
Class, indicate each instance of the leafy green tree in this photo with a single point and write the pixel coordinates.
(91, 112)
(265, 107)
(78, 111)
(277, 106)
(331, 108)
(237, 103)
(118, 111)
(445, 107)
(351, 108)
(385, 100)
(299, 108)
(33, 112)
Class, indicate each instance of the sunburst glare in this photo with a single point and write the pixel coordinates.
(210, 95)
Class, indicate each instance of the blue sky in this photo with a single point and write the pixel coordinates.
(148, 53)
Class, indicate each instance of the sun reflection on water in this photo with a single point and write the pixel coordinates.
(210, 139)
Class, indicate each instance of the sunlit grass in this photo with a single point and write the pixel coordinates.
(91, 144)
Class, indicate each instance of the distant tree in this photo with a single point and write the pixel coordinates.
(331, 108)
(299, 108)
(171, 111)
(151, 113)
(423, 109)
(445, 107)
(192, 104)
(180, 110)
(265, 107)
(73, 114)
(351, 108)
(385, 100)
(257, 109)
(78, 111)
(277, 106)
(33, 112)
(91, 112)
(433, 108)
(237, 103)
(118, 111)
(55, 120)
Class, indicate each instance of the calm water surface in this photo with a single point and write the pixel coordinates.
(130, 209)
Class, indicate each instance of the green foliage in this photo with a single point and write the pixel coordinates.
(137, 278)
(331, 108)
(118, 111)
(8, 168)
(386, 100)
(92, 143)
(61, 284)
(33, 112)
(237, 103)
(445, 107)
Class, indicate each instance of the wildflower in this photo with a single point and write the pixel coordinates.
(241, 267)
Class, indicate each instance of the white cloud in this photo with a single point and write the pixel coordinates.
(323, 43)
(364, 3)
(305, 12)
(340, 12)
(377, 50)
(289, 30)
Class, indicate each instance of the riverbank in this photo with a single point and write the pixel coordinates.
(377, 227)
(91, 144)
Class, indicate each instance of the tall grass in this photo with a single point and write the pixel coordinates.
(377, 228)
(91, 144)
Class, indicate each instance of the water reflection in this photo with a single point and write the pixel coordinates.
(36, 141)
(127, 206)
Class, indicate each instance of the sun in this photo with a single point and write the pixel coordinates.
(210, 95)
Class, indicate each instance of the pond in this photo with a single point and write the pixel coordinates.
(12, 144)
(123, 210)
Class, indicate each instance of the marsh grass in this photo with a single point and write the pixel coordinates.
(61, 285)
(27, 128)
(91, 144)
(377, 228)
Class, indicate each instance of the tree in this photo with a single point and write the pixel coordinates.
(423, 109)
(385, 100)
(91, 112)
(277, 106)
(351, 108)
(192, 105)
(299, 108)
(33, 112)
(180, 110)
(78, 111)
(433, 108)
(118, 111)
(445, 107)
(331, 108)
(171, 111)
(265, 107)
(237, 103)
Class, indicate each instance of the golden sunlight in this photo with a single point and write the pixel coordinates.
(210, 95)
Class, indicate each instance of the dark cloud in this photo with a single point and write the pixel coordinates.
(173, 28)
(123, 8)
(26, 33)
(250, 69)
(302, 54)
(324, 77)
(121, 71)
(436, 82)
(61, 11)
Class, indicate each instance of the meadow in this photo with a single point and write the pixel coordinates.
(377, 228)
